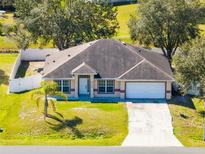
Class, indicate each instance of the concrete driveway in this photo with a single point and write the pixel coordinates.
(150, 124)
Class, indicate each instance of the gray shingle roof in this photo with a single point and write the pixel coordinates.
(144, 71)
(84, 69)
(109, 59)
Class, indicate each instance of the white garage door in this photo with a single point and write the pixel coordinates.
(145, 90)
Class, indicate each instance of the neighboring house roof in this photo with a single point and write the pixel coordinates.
(108, 58)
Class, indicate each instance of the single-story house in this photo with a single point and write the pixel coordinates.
(110, 68)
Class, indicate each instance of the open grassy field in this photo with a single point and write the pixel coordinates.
(5, 42)
(124, 13)
(188, 122)
(85, 123)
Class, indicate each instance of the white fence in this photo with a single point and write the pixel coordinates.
(15, 67)
(31, 82)
(36, 54)
(24, 84)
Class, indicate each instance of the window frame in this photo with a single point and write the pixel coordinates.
(106, 87)
(61, 86)
(67, 86)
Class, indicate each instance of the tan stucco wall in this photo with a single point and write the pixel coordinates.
(168, 90)
(120, 87)
(72, 94)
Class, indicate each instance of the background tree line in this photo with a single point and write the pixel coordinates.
(7, 5)
(66, 23)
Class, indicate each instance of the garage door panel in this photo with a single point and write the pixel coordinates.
(145, 90)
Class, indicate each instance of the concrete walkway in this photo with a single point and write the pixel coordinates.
(150, 125)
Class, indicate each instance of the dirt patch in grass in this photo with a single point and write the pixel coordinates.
(28, 68)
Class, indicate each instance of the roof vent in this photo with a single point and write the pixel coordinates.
(48, 55)
(139, 50)
(124, 43)
(69, 55)
(54, 61)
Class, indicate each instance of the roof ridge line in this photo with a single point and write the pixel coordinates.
(135, 52)
(90, 67)
(83, 64)
(131, 68)
(151, 63)
(71, 57)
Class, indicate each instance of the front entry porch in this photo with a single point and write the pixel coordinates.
(84, 86)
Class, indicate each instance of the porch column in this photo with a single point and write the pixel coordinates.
(76, 86)
(91, 86)
(122, 89)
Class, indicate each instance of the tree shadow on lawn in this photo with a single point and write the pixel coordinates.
(3, 78)
(185, 101)
(66, 123)
(202, 113)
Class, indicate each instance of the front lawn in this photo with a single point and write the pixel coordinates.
(188, 122)
(85, 123)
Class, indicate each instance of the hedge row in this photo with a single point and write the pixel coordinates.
(8, 51)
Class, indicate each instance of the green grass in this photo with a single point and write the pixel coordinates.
(85, 123)
(8, 19)
(5, 42)
(202, 28)
(188, 123)
(124, 12)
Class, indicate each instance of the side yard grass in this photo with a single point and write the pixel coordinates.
(188, 122)
(124, 12)
(85, 123)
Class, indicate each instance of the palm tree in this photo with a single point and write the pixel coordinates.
(49, 89)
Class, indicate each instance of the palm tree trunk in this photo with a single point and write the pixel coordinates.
(45, 107)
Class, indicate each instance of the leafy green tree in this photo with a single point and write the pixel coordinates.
(20, 35)
(6, 3)
(189, 64)
(167, 24)
(67, 22)
(49, 89)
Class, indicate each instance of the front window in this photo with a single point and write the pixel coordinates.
(101, 86)
(64, 85)
(59, 84)
(106, 86)
(110, 86)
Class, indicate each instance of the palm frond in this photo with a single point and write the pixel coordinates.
(38, 96)
(36, 93)
(52, 104)
(61, 94)
(38, 100)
